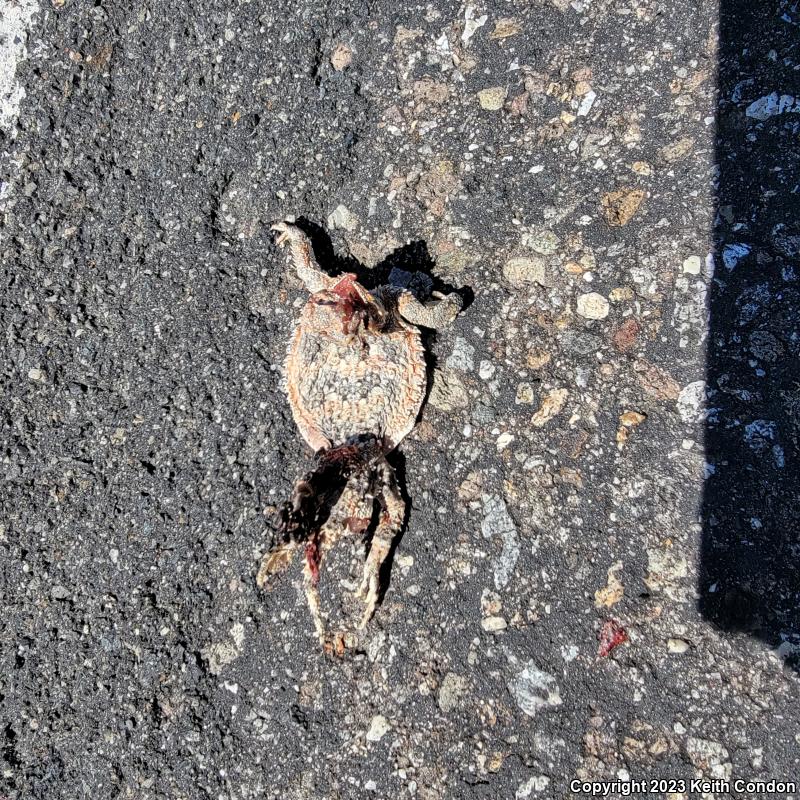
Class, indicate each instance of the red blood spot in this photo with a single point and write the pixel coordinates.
(344, 455)
(350, 302)
(312, 557)
(344, 286)
(625, 338)
(347, 309)
(611, 635)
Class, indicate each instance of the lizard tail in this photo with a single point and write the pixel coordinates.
(314, 496)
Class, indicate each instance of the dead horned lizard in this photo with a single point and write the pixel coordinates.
(355, 380)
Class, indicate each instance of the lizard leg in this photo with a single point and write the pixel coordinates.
(435, 315)
(315, 551)
(324, 539)
(276, 559)
(302, 256)
(313, 557)
(390, 521)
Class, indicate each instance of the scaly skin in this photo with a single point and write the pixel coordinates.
(355, 380)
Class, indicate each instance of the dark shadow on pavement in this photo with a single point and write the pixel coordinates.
(750, 570)
(410, 266)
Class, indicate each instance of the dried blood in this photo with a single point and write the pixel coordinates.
(312, 557)
(344, 286)
(350, 302)
(611, 635)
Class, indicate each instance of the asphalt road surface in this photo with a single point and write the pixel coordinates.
(597, 580)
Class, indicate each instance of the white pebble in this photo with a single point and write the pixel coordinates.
(592, 306)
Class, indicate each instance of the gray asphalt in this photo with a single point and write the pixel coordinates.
(553, 612)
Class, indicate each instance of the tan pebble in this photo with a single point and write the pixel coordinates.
(448, 391)
(571, 476)
(538, 359)
(504, 440)
(495, 762)
(551, 406)
(403, 35)
(492, 99)
(435, 187)
(424, 432)
(491, 603)
(613, 591)
(428, 90)
(341, 57)
(621, 294)
(607, 370)
(510, 491)
(582, 74)
(562, 321)
(620, 205)
(362, 252)
(470, 488)
(505, 27)
(677, 151)
(592, 306)
(642, 168)
(525, 270)
(494, 624)
(630, 419)
(655, 381)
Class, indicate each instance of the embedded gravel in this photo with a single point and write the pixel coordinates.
(597, 579)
